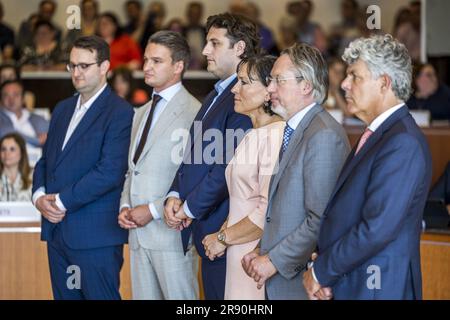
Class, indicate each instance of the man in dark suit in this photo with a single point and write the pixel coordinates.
(369, 241)
(199, 191)
(78, 181)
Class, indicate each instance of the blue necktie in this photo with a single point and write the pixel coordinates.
(288, 131)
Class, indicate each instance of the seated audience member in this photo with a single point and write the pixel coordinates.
(15, 118)
(45, 12)
(124, 50)
(122, 83)
(45, 53)
(441, 190)
(430, 94)
(11, 72)
(135, 19)
(6, 39)
(407, 31)
(89, 20)
(336, 74)
(195, 34)
(15, 172)
(154, 22)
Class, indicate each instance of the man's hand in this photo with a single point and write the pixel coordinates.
(261, 269)
(124, 219)
(141, 215)
(247, 259)
(314, 290)
(213, 248)
(47, 207)
(170, 209)
(185, 220)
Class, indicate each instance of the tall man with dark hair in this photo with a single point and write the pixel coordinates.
(199, 192)
(78, 181)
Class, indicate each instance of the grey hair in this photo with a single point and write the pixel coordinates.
(383, 55)
(311, 65)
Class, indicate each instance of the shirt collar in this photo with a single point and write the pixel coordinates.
(25, 115)
(91, 100)
(376, 123)
(221, 85)
(168, 93)
(294, 121)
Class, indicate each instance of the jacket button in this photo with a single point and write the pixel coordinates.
(268, 219)
(136, 173)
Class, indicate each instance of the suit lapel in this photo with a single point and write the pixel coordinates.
(89, 118)
(196, 135)
(295, 141)
(171, 112)
(352, 160)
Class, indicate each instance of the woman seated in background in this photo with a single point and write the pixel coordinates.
(429, 94)
(45, 53)
(248, 176)
(336, 99)
(124, 50)
(15, 172)
(122, 83)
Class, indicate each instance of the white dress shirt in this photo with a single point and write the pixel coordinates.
(78, 114)
(166, 95)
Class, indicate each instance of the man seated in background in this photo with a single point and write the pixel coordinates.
(15, 118)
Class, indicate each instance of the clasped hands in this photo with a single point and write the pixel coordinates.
(259, 267)
(46, 205)
(138, 216)
(174, 214)
(314, 290)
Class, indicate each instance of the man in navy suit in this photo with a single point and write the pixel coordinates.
(78, 181)
(199, 192)
(369, 241)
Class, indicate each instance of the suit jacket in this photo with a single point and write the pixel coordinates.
(298, 195)
(201, 181)
(369, 243)
(39, 124)
(89, 173)
(150, 178)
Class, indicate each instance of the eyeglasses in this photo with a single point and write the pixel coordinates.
(81, 66)
(280, 80)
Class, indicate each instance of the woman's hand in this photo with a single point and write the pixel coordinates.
(213, 248)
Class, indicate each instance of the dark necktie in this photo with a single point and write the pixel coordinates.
(288, 131)
(148, 123)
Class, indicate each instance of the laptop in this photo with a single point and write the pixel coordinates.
(436, 215)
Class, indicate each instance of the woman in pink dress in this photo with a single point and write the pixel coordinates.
(248, 177)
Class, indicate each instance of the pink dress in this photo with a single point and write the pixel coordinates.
(248, 177)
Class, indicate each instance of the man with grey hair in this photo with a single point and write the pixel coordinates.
(312, 154)
(369, 242)
(159, 268)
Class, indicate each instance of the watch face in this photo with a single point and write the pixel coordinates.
(221, 236)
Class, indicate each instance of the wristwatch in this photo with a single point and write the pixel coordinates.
(221, 237)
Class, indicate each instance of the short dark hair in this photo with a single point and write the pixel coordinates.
(44, 2)
(133, 3)
(94, 43)
(259, 66)
(176, 43)
(9, 82)
(238, 28)
(113, 17)
(10, 66)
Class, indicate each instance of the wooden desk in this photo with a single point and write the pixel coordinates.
(24, 272)
(438, 140)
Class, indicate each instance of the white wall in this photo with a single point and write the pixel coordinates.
(326, 11)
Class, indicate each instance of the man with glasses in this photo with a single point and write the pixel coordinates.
(78, 181)
(313, 151)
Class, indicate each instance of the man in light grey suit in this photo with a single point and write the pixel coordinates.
(313, 151)
(159, 268)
